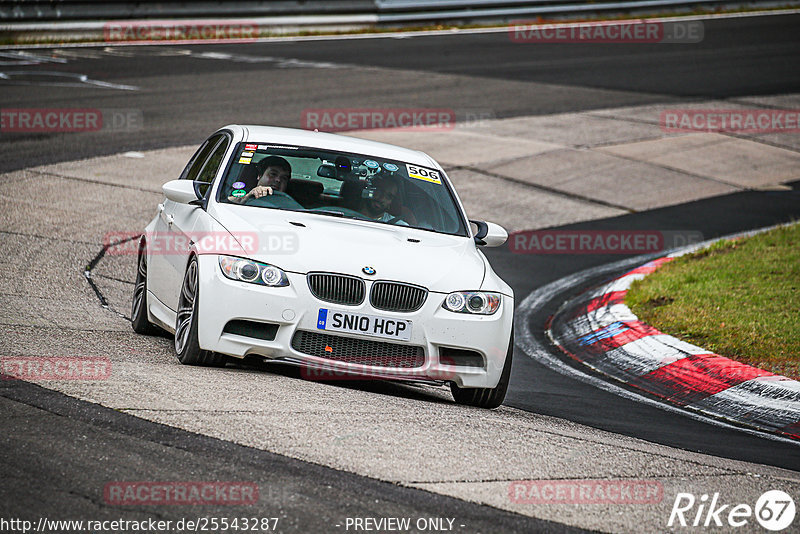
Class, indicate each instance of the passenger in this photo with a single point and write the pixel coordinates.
(375, 206)
(275, 177)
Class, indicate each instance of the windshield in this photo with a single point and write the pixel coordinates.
(341, 185)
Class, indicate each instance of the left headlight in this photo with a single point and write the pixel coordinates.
(477, 302)
(253, 272)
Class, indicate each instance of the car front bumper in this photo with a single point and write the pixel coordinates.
(293, 308)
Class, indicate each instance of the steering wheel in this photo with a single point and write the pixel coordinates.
(278, 199)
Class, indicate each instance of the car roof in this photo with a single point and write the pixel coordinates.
(335, 142)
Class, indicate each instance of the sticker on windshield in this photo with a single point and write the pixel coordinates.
(391, 167)
(285, 147)
(247, 154)
(238, 185)
(245, 161)
(250, 147)
(239, 193)
(371, 164)
(421, 173)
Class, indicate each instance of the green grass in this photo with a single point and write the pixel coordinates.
(739, 299)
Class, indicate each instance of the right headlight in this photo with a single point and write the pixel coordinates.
(253, 272)
(476, 302)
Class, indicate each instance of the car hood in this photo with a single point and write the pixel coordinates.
(301, 242)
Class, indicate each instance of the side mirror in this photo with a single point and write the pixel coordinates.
(181, 191)
(490, 234)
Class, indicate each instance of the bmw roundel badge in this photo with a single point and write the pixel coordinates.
(368, 270)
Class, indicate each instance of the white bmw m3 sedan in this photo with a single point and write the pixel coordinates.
(344, 256)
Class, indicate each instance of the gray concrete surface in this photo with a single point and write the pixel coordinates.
(467, 453)
(601, 163)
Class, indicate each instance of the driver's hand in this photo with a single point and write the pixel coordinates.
(259, 191)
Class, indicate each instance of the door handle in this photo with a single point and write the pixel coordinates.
(160, 208)
(170, 219)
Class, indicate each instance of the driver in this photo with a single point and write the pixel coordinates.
(375, 206)
(275, 177)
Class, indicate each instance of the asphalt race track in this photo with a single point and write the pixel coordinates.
(184, 99)
(185, 92)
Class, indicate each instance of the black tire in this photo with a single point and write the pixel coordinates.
(487, 397)
(187, 347)
(139, 321)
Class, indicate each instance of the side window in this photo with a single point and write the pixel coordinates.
(193, 161)
(193, 169)
(212, 165)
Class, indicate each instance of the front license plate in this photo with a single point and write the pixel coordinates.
(370, 325)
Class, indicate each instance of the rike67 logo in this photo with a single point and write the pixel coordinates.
(774, 511)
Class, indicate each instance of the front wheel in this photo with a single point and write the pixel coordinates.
(187, 347)
(487, 397)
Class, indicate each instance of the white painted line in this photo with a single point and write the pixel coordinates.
(641, 351)
(21, 57)
(683, 346)
(624, 283)
(82, 80)
(281, 62)
(606, 315)
(619, 284)
(775, 401)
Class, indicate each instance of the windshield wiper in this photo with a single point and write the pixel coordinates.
(326, 212)
(336, 214)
